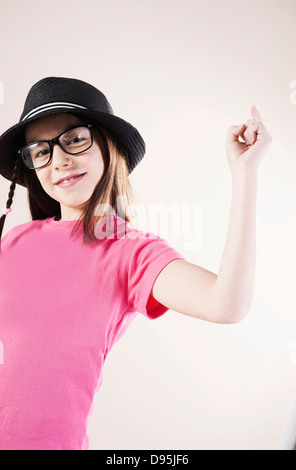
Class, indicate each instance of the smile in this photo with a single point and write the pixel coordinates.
(71, 181)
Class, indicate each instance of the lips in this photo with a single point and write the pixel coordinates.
(76, 175)
(70, 180)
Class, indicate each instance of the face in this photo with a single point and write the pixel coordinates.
(90, 164)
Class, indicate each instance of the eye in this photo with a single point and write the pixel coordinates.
(39, 152)
(76, 139)
(42, 153)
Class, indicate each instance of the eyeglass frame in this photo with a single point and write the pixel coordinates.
(56, 140)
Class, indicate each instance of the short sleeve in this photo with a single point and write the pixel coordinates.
(148, 258)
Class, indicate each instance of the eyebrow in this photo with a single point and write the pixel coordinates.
(78, 124)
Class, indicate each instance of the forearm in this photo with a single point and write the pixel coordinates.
(233, 289)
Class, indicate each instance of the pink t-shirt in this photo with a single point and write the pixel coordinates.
(62, 307)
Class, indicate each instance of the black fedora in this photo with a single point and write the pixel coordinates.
(53, 95)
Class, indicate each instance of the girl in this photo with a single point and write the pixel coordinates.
(74, 278)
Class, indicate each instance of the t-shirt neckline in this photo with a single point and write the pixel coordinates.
(59, 223)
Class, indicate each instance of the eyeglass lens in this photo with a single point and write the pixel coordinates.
(73, 141)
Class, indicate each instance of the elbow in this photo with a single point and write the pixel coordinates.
(233, 310)
(232, 317)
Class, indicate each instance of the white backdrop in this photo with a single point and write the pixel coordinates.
(182, 71)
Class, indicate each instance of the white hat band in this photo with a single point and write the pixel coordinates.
(45, 107)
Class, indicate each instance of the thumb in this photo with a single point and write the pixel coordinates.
(234, 132)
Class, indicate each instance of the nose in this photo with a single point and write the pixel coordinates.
(60, 157)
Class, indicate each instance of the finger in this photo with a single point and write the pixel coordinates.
(253, 127)
(234, 132)
(252, 124)
(249, 136)
(255, 113)
(250, 133)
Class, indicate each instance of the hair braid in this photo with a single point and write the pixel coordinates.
(10, 196)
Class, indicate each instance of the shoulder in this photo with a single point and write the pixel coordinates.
(123, 241)
(115, 228)
(19, 230)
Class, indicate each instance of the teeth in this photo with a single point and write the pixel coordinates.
(67, 181)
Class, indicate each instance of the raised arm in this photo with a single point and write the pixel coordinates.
(224, 297)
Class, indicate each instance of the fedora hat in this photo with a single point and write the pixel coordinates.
(53, 95)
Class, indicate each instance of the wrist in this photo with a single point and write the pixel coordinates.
(244, 177)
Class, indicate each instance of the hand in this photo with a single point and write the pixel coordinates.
(245, 156)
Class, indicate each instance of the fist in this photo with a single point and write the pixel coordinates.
(247, 144)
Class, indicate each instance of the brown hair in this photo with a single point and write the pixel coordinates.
(113, 193)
